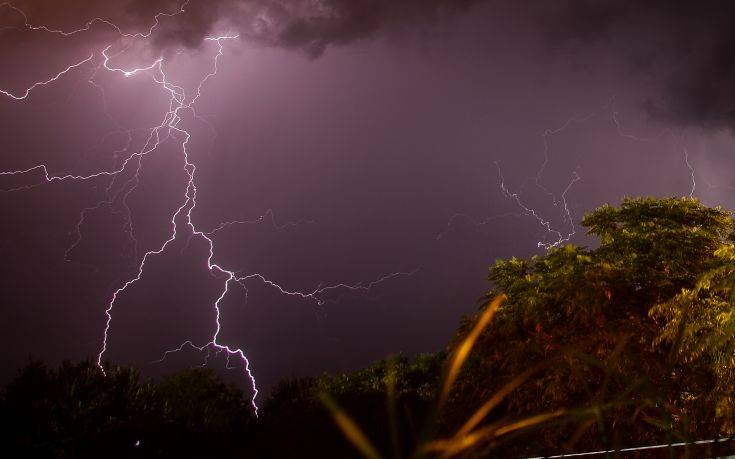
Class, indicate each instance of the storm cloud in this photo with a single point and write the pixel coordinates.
(310, 26)
(686, 48)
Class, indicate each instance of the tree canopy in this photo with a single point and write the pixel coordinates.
(638, 328)
(76, 411)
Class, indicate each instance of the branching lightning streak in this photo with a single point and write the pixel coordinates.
(88, 25)
(663, 133)
(317, 294)
(562, 238)
(169, 128)
(268, 215)
(24, 94)
(172, 121)
(127, 187)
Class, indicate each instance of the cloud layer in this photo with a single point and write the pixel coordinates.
(687, 48)
(307, 25)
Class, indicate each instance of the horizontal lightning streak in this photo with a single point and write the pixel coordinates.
(88, 25)
(27, 92)
(268, 215)
(316, 294)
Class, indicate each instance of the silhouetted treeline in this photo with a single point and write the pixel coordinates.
(77, 411)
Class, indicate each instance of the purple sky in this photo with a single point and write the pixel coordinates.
(369, 134)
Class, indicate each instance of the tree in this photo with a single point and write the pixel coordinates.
(76, 411)
(296, 406)
(700, 323)
(593, 323)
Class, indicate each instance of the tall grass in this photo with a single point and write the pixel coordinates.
(478, 438)
(470, 435)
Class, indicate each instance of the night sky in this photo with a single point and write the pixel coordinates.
(397, 147)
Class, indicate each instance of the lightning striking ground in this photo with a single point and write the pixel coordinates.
(180, 103)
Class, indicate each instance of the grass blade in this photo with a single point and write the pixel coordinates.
(463, 350)
(350, 429)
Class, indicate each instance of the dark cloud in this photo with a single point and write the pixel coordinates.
(307, 25)
(687, 47)
(315, 25)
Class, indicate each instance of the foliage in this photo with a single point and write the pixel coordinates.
(701, 322)
(76, 411)
(296, 406)
(588, 318)
(471, 435)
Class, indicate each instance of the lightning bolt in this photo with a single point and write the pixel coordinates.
(691, 171)
(269, 216)
(27, 92)
(98, 20)
(560, 237)
(666, 132)
(170, 128)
